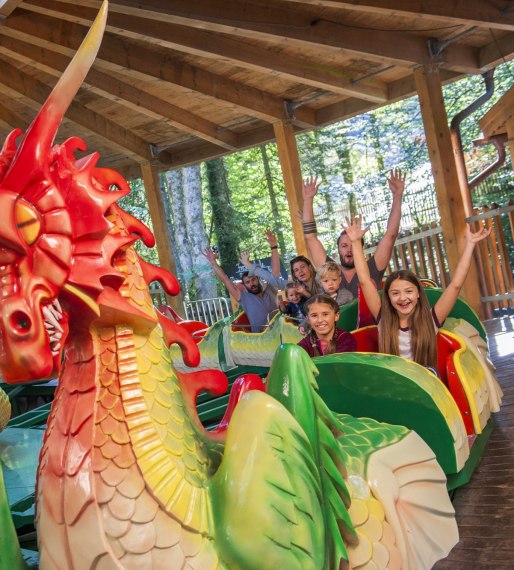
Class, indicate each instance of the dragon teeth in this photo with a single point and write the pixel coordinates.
(57, 306)
(51, 318)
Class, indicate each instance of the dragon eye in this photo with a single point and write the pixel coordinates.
(28, 221)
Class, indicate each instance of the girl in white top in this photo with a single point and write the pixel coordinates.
(406, 325)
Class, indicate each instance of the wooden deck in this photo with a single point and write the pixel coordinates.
(485, 507)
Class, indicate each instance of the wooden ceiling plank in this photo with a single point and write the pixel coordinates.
(497, 15)
(134, 56)
(497, 52)
(116, 87)
(39, 91)
(401, 48)
(208, 44)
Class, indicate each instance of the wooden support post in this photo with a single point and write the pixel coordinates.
(160, 229)
(292, 174)
(444, 170)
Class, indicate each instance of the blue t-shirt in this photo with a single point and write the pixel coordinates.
(258, 308)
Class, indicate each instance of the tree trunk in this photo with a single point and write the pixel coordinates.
(375, 141)
(203, 285)
(225, 229)
(343, 152)
(277, 229)
(175, 197)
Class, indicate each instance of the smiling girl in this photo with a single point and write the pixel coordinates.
(407, 326)
(324, 337)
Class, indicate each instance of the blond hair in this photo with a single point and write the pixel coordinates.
(328, 267)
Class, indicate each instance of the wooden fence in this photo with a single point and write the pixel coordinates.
(422, 251)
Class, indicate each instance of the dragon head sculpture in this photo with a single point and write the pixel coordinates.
(60, 245)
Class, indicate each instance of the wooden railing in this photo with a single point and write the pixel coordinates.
(422, 251)
(495, 268)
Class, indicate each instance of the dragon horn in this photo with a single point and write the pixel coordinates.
(40, 135)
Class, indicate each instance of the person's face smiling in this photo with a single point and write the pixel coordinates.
(322, 318)
(404, 297)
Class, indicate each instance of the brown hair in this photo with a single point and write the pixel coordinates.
(326, 300)
(302, 259)
(421, 324)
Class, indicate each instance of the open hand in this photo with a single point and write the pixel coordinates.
(244, 258)
(396, 182)
(271, 237)
(210, 255)
(475, 237)
(310, 187)
(354, 229)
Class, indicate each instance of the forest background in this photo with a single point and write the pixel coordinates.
(228, 202)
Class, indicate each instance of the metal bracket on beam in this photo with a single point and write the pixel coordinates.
(435, 47)
(154, 150)
(289, 109)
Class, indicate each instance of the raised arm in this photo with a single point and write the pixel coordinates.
(355, 232)
(317, 252)
(385, 246)
(275, 257)
(254, 269)
(221, 275)
(447, 300)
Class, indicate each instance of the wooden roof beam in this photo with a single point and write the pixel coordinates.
(7, 7)
(118, 88)
(38, 91)
(498, 51)
(133, 55)
(304, 27)
(213, 45)
(497, 15)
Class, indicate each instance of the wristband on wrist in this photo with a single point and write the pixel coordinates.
(274, 247)
(310, 227)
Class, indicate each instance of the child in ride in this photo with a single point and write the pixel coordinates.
(324, 336)
(294, 306)
(330, 278)
(407, 326)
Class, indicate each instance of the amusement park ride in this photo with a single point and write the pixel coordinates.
(340, 461)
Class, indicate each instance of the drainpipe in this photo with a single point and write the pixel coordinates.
(499, 142)
(462, 172)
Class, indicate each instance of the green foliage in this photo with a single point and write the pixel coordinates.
(136, 204)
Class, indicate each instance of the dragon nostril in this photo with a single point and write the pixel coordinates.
(20, 322)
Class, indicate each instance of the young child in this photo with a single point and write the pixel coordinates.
(295, 301)
(407, 326)
(329, 275)
(324, 337)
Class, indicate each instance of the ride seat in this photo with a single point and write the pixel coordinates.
(241, 324)
(367, 341)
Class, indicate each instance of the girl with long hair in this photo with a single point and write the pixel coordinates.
(407, 326)
(324, 336)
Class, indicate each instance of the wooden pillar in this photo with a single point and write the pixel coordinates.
(292, 174)
(444, 170)
(160, 229)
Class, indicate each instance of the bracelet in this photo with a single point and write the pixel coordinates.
(274, 247)
(310, 227)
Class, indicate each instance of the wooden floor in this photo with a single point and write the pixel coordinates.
(485, 507)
